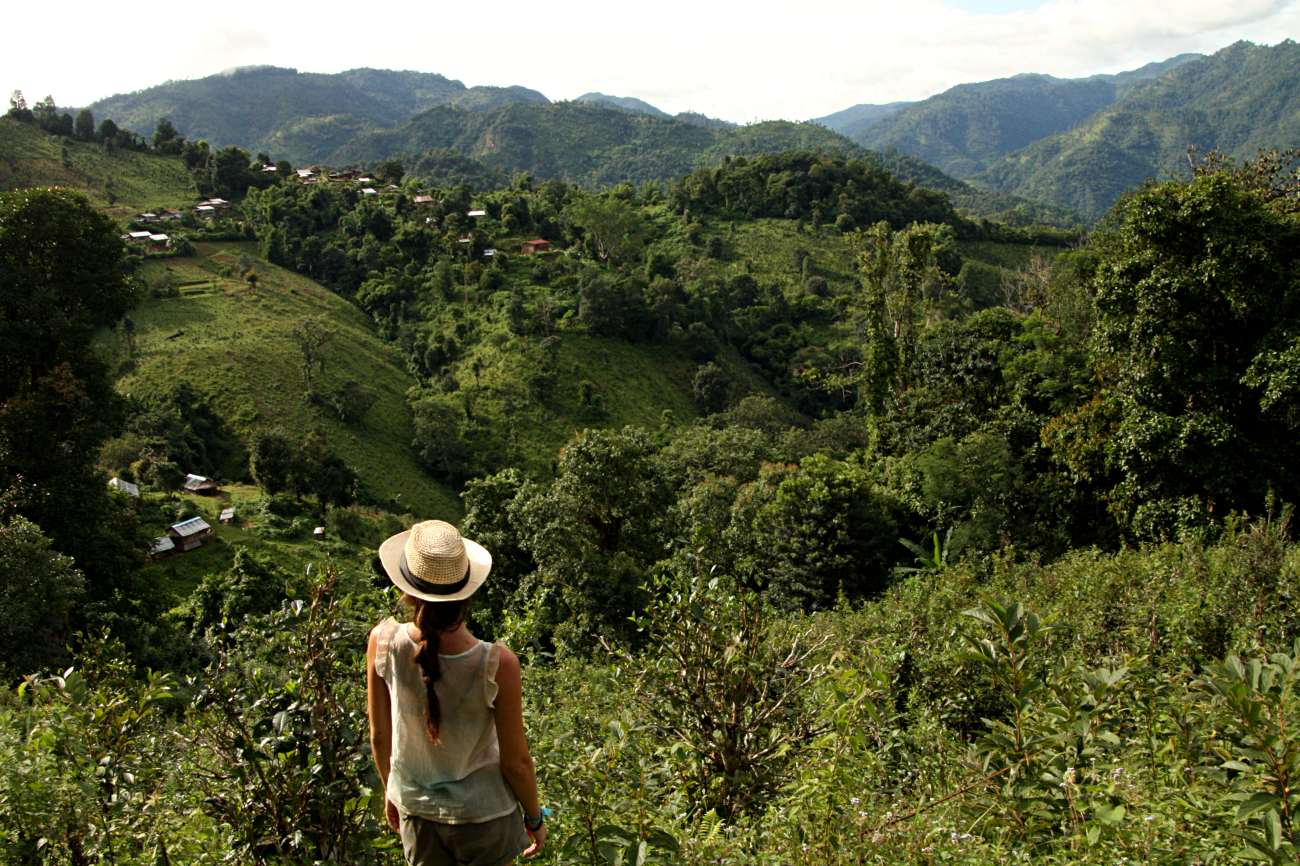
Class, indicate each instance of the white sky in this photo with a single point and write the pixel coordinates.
(749, 61)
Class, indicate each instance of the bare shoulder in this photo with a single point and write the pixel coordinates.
(508, 662)
(377, 635)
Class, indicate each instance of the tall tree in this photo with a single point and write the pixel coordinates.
(1197, 346)
(614, 226)
(62, 277)
(901, 279)
(166, 139)
(84, 126)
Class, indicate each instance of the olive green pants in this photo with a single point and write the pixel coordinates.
(491, 843)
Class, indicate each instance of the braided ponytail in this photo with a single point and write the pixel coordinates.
(432, 619)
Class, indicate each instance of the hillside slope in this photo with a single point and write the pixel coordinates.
(965, 129)
(1239, 100)
(249, 107)
(582, 142)
(626, 103)
(134, 181)
(854, 121)
(233, 343)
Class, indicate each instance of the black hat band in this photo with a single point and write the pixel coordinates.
(422, 585)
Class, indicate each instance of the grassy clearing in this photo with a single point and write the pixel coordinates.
(290, 552)
(30, 157)
(233, 343)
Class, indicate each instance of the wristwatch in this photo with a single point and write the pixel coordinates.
(534, 824)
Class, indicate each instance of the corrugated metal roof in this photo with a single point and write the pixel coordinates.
(193, 526)
(124, 486)
(227, 513)
(162, 544)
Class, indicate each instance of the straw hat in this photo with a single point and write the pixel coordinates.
(431, 561)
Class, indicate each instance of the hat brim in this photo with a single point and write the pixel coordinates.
(480, 563)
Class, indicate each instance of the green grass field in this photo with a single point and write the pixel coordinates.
(291, 553)
(233, 343)
(30, 157)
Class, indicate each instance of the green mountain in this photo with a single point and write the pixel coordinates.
(1239, 100)
(292, 114)
(855, 121)
(626, 103)
(977, 200)
(579, 141)
(965, 129)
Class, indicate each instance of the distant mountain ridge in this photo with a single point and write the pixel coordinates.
(280, 109)
(1072, 146)
(855, 121)
(967, 128)
(1238, 100)
(585, 142)
(626, 103)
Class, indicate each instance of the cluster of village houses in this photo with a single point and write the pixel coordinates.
(159, 241)
(210, 208)
(316, 174)
(186, 535)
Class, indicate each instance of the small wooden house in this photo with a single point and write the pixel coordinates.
(536, 245)
(227, 515)
(476, 214)
(160, 241)
(424, 201)
(189, 534)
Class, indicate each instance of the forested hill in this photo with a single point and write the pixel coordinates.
(965, 129)
(856, 120)
(627, 103)
(1239, 100)
(263, 107)
(579, 141)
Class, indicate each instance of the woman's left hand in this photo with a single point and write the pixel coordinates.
(394, 817)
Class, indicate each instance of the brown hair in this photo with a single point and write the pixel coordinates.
(432, 619)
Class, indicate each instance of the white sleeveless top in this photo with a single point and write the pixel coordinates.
(458, 781)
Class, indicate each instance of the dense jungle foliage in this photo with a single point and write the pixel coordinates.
(969, 546)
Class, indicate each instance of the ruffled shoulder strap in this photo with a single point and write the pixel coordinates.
(491, 662)
(384, 644)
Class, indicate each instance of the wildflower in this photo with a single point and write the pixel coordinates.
(1069, 777)
(855, 800)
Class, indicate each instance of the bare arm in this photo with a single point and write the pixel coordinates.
(381, 720)
(516, 762)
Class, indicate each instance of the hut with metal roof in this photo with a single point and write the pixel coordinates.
(189, 534)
